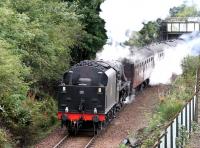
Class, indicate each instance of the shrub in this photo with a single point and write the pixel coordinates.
(3, 137)
(169, 108)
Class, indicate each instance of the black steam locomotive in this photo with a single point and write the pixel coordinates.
(93, 91)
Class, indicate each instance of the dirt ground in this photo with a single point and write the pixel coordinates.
(134, 117)
(194, 141)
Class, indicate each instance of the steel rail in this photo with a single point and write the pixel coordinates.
(61, 141)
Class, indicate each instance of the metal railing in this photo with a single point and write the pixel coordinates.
(179, 129)
(173, 136)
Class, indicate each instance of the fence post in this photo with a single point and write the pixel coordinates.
(197, 94)
(190, 122)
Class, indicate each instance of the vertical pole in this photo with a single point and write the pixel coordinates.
(166, 138)
(193, 109)
(181, 128)
(197, 96)
(190, 117)
(177, 129)
(171, 132)
(186, 117)
(177, 126)
(182, 117)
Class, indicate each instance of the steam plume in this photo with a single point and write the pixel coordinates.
(123, 16)
(171, 64)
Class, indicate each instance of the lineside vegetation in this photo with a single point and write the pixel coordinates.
(39, 40)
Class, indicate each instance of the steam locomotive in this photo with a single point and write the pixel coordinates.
(92, 91)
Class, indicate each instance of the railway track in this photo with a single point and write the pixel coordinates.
(82, 141)
(91, 142)
(61, 141)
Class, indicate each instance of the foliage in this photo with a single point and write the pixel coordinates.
(189, 66)
(12, 73)
(183, 138)
(184, 11)
(50, 35)
(169, 108)
(94, 36)
(195, 126)
(28, 119)
(3, 137)
(39, 39)
(42, 33)
(149, 33)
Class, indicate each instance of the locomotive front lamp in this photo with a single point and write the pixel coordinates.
(99, 90)
(64, 88)
(95, 110)
(66, 109)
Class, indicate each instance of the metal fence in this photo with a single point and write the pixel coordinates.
(178, 130)
(173, 136)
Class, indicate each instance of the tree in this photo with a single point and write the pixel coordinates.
(184, 11)
(148, 34)
(39, 39)
(94, 36)
(43, 34)
(12, 73)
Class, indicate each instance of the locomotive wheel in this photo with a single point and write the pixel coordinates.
(73, 129)
(142, 86)
(95, 126)
(147, 82)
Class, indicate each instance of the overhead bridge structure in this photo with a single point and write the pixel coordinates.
(173, 27)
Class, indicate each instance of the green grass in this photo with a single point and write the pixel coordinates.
(169, 108)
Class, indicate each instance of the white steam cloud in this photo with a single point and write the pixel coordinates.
(124, 16)
(165, 68)
(113, 52)
(171, 64)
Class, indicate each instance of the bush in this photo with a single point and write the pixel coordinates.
(169, 108)
(43, 116)
(28, 119)
(3, 137)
